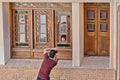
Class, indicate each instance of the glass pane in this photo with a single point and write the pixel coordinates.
(43, 38)
(43, 19)
(63, 12)
(43, 29)
(63, 24)
(103, 14)
(91, 14)
(21, 11)
(103, 27)
(63, 28)
(22, 19)
(91, 27)
(63, 19)
(22, 38)
(22, 28)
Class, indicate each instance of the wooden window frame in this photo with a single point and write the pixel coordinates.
(60, 40)
(18, 26)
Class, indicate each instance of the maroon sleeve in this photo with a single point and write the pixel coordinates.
(46, 55)
(55, 63)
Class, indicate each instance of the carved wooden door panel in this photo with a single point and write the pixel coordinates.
(63, 28)
(91, 31)
(42, 28)
(96, 31)
(103, 31)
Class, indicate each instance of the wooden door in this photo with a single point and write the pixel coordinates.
(21, 33)
(36, 27)
(63, 28)
(42, 28)
(103, 31)
(96, 31)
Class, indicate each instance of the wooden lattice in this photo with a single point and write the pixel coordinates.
(63, 29)
(21, 28)
(42, 28)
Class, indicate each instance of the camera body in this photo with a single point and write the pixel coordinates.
(52, 53)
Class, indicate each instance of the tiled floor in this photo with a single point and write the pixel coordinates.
(88, 62)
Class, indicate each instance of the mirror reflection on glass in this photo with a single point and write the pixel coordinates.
(42, 19)
(63, 12)
(42, 37)
(22, 19)
(90, 27)
(22, 38)
(91, 14)
(103, 27)
(22, 29)
(43, 29)
(63, 19)
(63, 24)
(63, 28)
(103, 14)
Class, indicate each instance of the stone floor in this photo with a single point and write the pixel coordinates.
(88, 62)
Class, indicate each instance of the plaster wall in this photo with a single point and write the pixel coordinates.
(2, 61)
(6, 29)
(76, 34)
(4, 33)
(118, 40)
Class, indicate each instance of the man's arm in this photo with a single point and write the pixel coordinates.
(46, 53)
(55, 58)
(46, 50)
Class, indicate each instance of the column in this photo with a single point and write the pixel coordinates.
(4, 33)
(113, 35)
(118, 47)
(2, 59)
(77, 34)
